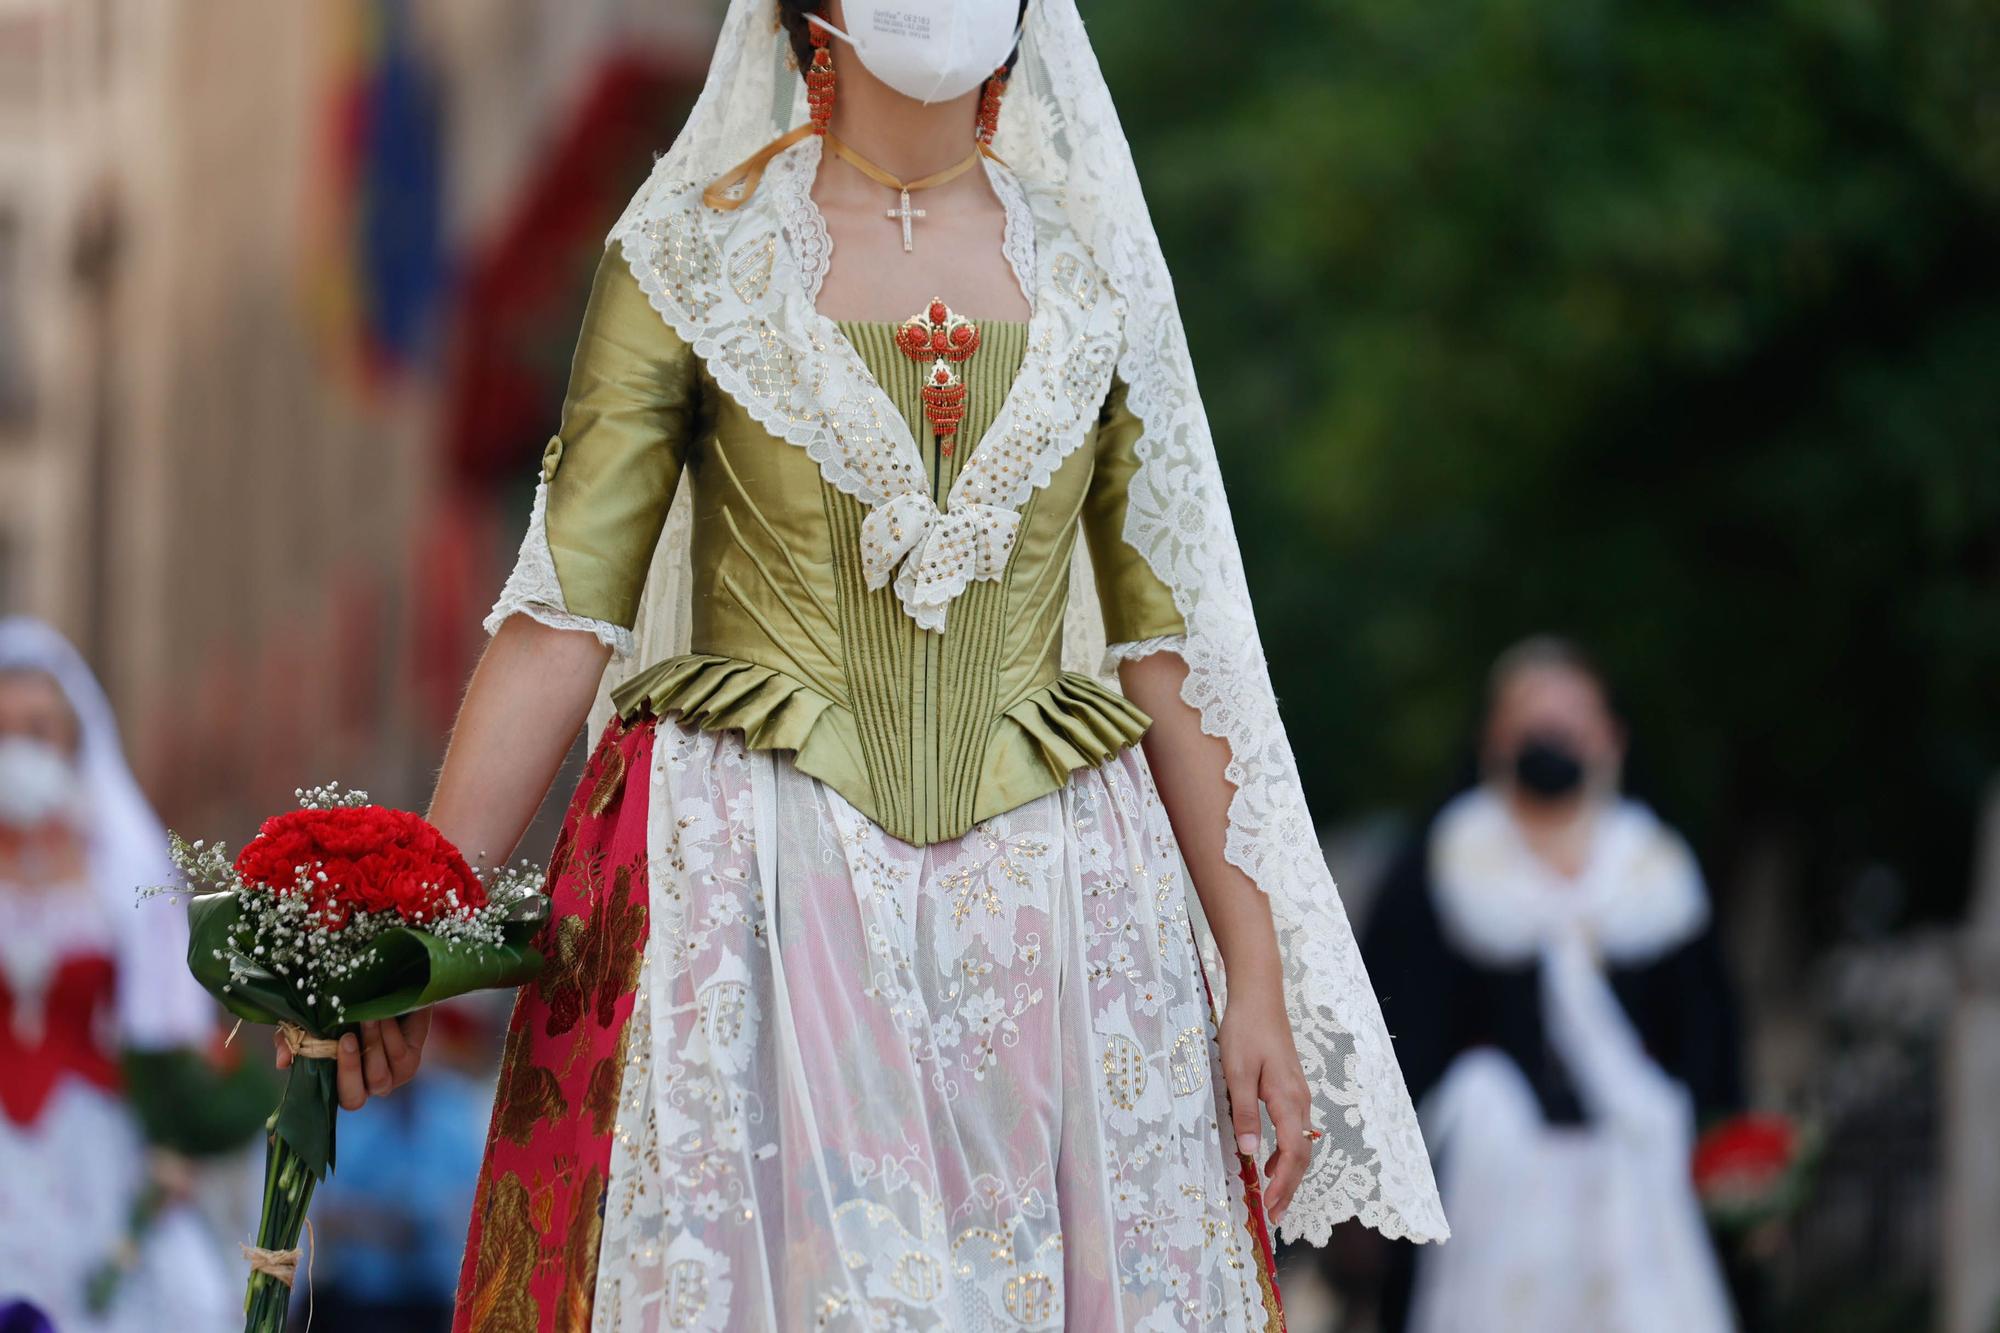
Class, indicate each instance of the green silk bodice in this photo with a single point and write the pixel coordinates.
(926, 733)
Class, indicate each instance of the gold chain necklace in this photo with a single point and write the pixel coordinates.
(903, 212)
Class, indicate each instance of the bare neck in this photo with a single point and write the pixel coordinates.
(906, 138)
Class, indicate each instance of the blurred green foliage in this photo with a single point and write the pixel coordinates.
(1672, 326)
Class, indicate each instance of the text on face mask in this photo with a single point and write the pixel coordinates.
(902, 23)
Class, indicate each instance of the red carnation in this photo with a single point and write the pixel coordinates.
(362, 858)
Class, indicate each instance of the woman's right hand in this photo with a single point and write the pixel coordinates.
(381, 1059)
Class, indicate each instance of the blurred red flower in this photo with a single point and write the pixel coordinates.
(1745, 1157)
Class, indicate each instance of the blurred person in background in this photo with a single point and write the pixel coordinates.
(1547, 966)
(94, 1228)
(392, 1220)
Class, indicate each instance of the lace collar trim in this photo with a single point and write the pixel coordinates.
(739, 288)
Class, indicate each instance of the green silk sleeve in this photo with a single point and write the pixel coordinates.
(631, 408)
(1137, 605)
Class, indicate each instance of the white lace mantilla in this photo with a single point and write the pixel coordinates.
(738, 288)
(1062, 132)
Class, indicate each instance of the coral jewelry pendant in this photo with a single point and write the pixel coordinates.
(945, 339)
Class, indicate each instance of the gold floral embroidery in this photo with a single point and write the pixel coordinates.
(542, 1198)
(1267, 1279)
(600, 1098)
(528, 1093)
(586, 1229)
(597, 960)
(1274, 1314)
(569, 939)
(610, 783)
(501, 1301)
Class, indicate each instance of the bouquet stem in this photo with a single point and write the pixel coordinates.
(298, 1150)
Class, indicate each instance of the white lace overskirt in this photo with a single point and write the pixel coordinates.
(970, 1086)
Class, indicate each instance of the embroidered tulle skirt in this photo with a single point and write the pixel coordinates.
(788, 1072)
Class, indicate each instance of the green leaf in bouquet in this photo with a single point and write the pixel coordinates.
(413, 968)
(244, 986)
(304, 1118)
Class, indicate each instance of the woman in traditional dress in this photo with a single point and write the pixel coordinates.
(1561, 1009)
(875, 998)
(87, 975)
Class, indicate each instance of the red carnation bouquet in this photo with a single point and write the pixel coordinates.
(1751, 1169)
(336, 914)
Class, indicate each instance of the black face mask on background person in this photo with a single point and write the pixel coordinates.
(1547, 769)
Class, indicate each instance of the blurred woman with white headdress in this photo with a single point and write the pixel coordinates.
(90, 977)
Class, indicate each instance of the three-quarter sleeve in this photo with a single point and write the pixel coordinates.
(608, 474)
(1139, 610)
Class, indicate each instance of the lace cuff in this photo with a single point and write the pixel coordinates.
(1138, 648)
(534, 591)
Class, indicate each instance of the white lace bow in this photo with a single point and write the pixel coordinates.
(940, 553)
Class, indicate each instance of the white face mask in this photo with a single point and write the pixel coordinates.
(931, 50)
(37, 782)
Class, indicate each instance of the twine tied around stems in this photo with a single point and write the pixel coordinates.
(300, 1042)
(280, 1264)
(283, 1265)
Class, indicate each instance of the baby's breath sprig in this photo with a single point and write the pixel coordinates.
(510, 884)
(205, 867)
(330, 796)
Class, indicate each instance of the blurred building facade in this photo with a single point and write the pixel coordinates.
(55, 96)
(233, 240)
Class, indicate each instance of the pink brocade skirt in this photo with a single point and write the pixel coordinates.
(973, 1085)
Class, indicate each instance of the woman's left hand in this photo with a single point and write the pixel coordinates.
(1261, 1064)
